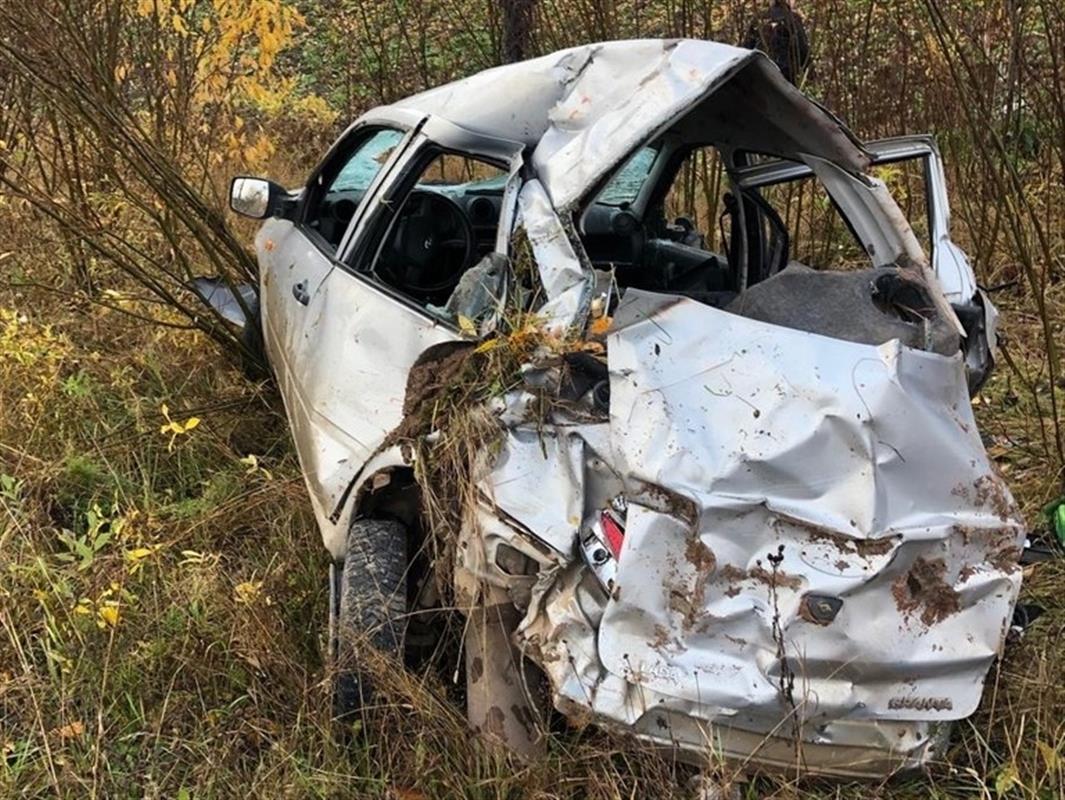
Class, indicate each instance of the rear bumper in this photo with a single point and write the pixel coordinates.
(868, 750)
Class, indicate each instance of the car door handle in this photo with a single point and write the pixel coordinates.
(299, 291)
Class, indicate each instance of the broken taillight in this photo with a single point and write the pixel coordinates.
(613, 532)
(601, 541)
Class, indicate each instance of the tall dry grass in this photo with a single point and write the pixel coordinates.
(162, 594)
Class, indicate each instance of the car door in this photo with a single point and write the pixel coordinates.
(948, 261)
(295, 256)
(931, 220)
(355, 339)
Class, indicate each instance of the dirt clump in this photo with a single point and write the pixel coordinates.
(924, 589)
(774, 577)
(700, 556)
(862, 547)
(436, 373)
(666, 502)
(991, 492)
(732, 573)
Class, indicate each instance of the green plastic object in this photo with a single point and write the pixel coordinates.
(1056, 516)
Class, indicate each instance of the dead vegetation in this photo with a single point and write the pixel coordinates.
(162, 592)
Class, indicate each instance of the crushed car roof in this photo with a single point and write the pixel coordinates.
(583, 110)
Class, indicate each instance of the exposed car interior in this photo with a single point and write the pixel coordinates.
(339, 189)
(670, 219)
(449, 219)
(665, 223)
(447, 222)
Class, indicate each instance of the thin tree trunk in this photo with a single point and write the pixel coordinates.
(517, 29)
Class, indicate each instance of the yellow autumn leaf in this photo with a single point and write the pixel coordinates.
(487, 346)
(600, 326)
(73, 730)
(467, 326)
(252, 462)
(108, 614)
(1051, 757)
(175, 428)
(247, 592)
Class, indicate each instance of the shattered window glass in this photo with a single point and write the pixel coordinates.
(362, 168)
(329, 212)
(625, 186)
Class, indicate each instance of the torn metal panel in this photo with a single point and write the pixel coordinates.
(585, 109)
(560, 632)
(891, 432)
(631, 90)
(729, 414)
(567, 284)
(950, 262)
(534, 466)
(505, 701)
(479, 294)
(232, 306)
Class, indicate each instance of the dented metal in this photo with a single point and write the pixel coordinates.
(751, 539)
(784, 466)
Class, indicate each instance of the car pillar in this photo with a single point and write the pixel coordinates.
(505, 694)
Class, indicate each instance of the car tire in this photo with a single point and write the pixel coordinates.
(371, 611)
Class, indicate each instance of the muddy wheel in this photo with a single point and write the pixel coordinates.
(369, 611)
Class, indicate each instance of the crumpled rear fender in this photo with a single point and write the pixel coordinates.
(766, 470)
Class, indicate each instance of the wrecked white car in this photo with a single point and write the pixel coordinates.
(733, 504)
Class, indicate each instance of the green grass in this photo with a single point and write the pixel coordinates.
(192, 687)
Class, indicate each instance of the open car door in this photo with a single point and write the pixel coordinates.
(949, 263)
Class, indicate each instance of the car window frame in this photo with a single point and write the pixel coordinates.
(400, 190)
(753, 193)
(884, 151)
(429, 132)
(340, 152)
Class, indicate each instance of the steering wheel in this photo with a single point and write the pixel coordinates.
(432, 244)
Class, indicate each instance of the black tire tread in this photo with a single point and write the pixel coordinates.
(373, 606)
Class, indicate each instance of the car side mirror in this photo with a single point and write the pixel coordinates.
(258, 198)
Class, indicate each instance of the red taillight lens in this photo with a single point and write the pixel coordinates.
(615, 534)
